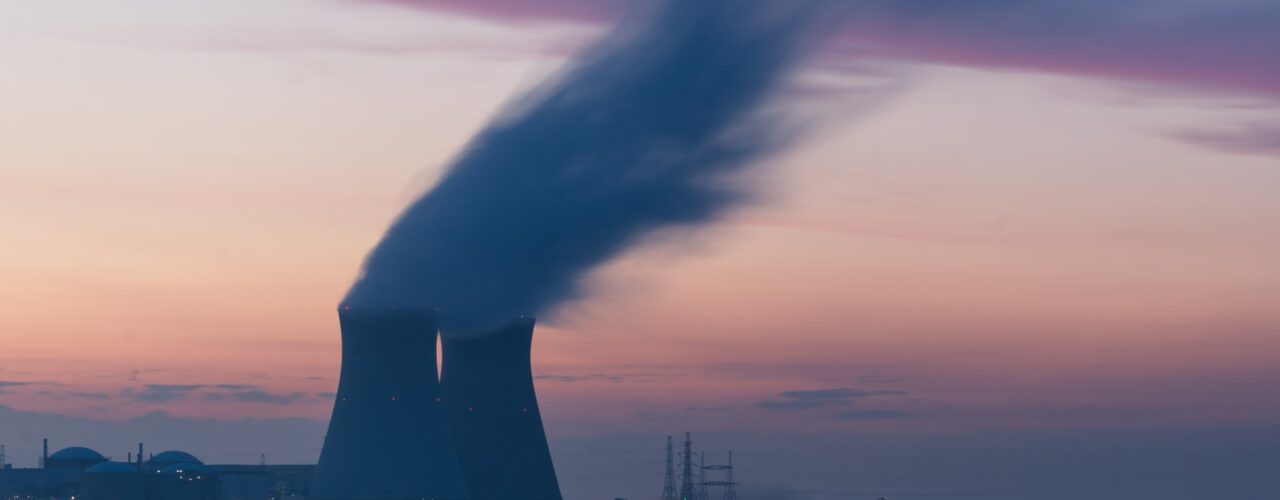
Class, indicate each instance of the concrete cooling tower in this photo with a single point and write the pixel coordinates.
(388, 438)
(493, 413)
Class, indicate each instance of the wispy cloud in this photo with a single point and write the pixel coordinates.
(160, 393)
(878, 379)
(800, 404)
(1254, 139)
(6, 384)
(247, 393)
(699, 409)
(1223, 45)
(820, 398)
(825, 394)
(88, 395)
(872, 415)
(236, 387)
(261, 396)
(607, 377)
(62, 395)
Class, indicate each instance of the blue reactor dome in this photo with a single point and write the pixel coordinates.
(74, 458)
(172, 457)
(76, 453)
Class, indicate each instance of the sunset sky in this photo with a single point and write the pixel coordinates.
(1012, 231)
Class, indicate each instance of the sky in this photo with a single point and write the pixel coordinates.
(1038, 263)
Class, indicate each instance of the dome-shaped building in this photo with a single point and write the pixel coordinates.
(113, 480)
(74, 458)
(165, 459)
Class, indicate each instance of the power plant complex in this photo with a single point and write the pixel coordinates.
(77, 472)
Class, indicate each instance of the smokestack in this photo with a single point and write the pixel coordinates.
(44, 457)
(493, 413)
(388, 437)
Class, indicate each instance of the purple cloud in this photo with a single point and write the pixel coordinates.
(160, 393)
(819, 398)
(261, 396)
(1256, 139)
(872, 415)
(1199, 44)
(578, 11)
(250, 394)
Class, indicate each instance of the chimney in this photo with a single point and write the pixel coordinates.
(388, 437)
(139, 456)
(44, 458)
(493, 414)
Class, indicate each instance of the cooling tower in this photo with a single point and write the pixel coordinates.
(493, 414)
(388, 438)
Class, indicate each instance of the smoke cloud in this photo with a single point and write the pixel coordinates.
(644, 131)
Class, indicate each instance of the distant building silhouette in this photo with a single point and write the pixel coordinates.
(82, 473)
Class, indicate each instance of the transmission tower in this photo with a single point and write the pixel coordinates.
(686, 472)
(669, 479)
(728, 484)
(1, 456)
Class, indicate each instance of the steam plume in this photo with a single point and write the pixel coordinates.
(640, 133)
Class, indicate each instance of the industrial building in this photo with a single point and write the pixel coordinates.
(388, 438)
(487, 388)
(82, 473)
(401, 430)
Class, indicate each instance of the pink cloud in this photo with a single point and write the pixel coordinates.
(1255, 139)
(581, 11)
